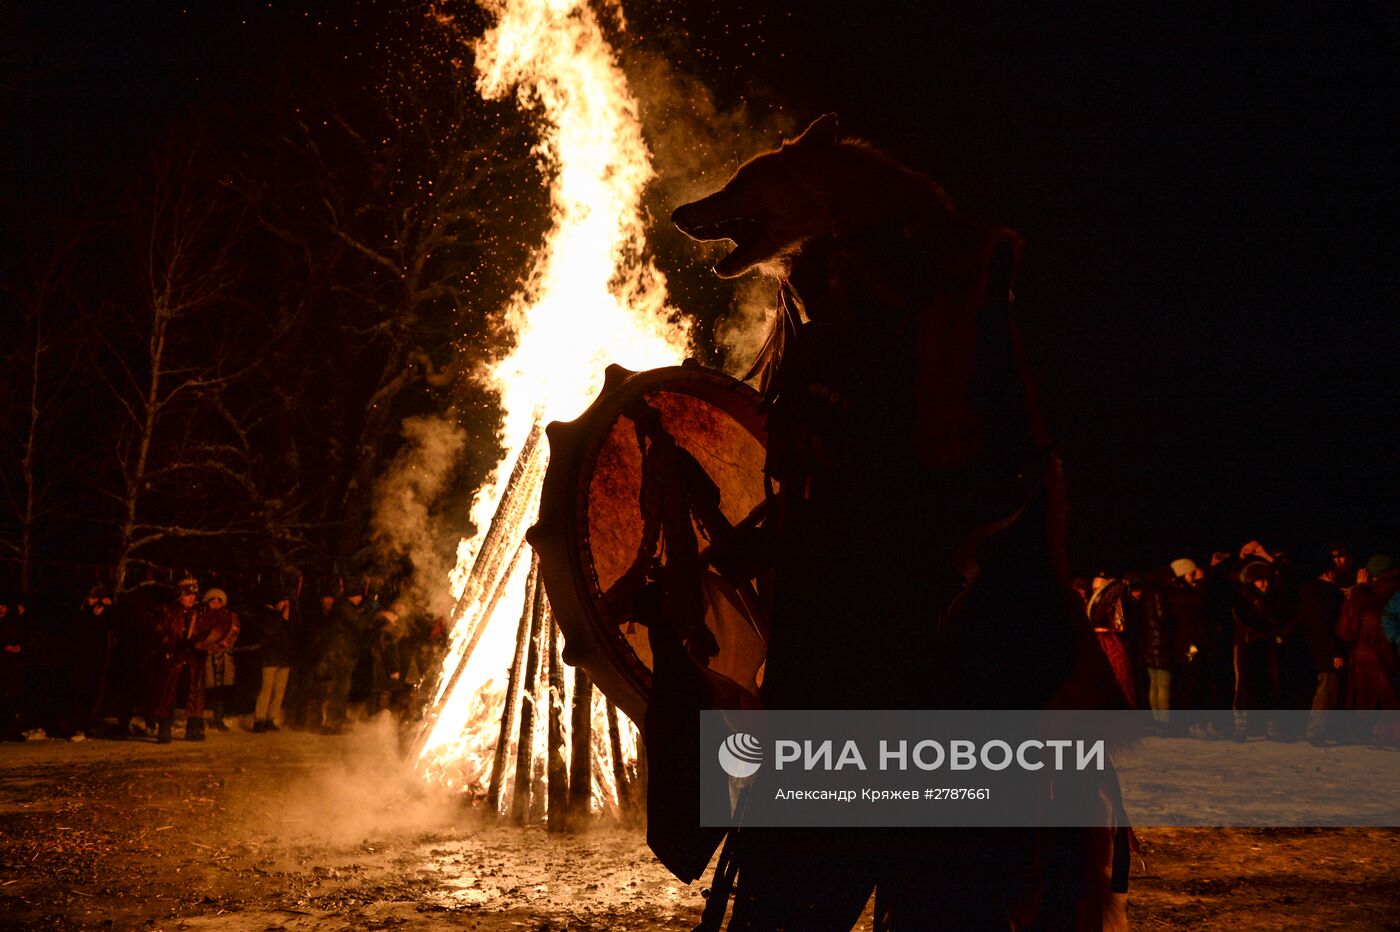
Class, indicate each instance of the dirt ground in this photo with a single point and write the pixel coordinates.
(299, 832)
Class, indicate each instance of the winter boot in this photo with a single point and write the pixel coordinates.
(259, 727)
(194, 729)
(163, 731)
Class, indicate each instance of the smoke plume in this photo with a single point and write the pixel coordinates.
(741, 333)
(366, 788)
(404, 521)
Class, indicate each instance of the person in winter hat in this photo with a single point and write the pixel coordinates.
(219, 668)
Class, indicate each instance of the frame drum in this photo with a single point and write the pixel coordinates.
(591, 521)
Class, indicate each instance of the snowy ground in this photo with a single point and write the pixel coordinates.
(295, 831)
(1182, 781)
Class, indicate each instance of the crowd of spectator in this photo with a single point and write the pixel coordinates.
(1228, 647)
(1222, 648)
(90, 666)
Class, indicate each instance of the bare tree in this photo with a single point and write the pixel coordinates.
(37, 381)
(405, 238)
(176, 346)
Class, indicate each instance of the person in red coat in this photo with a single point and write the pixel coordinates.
(187, 633)
(1372, 661)
(1106, 614)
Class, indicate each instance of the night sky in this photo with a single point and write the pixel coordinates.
(1205, 195)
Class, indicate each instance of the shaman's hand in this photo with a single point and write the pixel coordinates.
(621, 597)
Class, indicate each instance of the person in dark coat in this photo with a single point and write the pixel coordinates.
(12, 658)
(137, 656)
(341, 643)
(48, 663)
(1156, 648)
(1295, 680)
(386, 667)
(302, 703)
(1192, 641)
(420, 651)
(279, 649)
(91, 642)
(1256, 640)
(1217, 655)
(1315, 619)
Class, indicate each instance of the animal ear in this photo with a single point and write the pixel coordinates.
(822, 132)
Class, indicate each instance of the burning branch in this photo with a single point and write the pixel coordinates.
(491, 572)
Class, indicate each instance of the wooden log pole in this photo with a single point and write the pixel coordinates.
(581, 749)
(619, 766)
(461, 665)
(557, 768)
(483, 618)
(512, 697)
(638, 792)
(506, 523)
(524, 750)
(491, 570)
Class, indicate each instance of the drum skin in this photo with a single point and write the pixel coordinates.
(591, 523)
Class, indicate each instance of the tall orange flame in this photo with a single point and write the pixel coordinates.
(591, 298)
